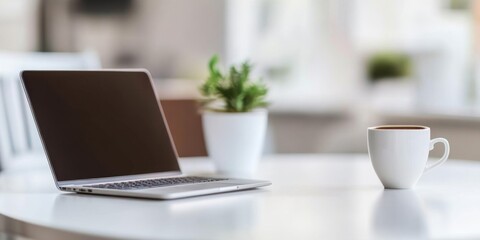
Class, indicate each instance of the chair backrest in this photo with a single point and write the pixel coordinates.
(18, 134)
(185, 125)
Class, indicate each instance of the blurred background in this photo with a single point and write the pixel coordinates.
(334, 67)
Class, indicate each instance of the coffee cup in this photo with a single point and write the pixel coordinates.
(399, 153)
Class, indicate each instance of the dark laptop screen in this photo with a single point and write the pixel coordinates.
(99, 123)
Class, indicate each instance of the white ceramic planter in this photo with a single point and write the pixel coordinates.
(235, 140)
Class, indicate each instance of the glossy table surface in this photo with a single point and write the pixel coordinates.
(312, 197)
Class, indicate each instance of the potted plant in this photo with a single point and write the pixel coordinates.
(388, 65)
(234, 118)
(390, 85)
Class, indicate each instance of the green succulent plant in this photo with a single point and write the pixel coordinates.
(235, 89)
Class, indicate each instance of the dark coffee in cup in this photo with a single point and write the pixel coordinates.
(401, 128)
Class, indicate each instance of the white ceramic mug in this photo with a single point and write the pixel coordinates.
(399, 153)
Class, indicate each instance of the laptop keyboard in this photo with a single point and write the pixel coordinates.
(151, 183)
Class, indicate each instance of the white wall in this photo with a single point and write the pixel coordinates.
(18, 25)
(170, 38)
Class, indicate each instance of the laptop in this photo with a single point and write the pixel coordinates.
(104, 133)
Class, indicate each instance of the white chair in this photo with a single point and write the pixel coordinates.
(19, 139)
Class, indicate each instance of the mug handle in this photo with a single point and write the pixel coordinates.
(443, 158)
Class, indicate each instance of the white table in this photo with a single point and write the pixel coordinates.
(312, 197)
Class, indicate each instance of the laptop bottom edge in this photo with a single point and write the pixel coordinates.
(177, 191)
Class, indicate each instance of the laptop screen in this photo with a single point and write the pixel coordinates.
(98, 124)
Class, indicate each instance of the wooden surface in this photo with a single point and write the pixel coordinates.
(185, 123)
